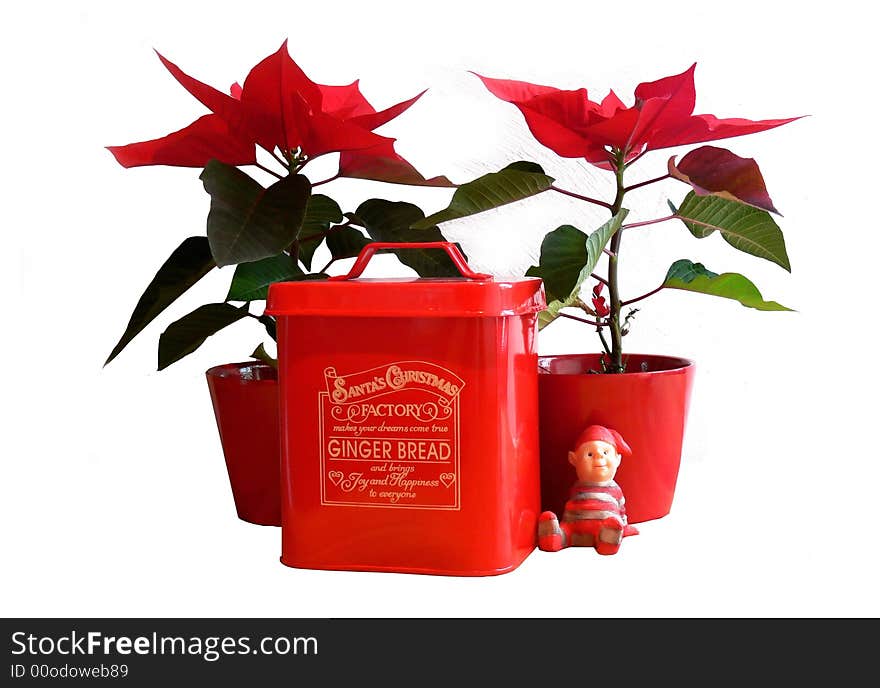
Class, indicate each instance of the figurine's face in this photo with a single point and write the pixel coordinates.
(595, 461)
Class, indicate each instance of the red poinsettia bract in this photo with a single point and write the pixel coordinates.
(279, 108)
(602, 309)
(574, 126)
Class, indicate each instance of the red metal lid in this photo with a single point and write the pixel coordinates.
(473, 294)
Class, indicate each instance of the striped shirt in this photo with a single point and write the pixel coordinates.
(590, 501)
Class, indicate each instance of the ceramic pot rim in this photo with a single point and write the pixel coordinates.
(672, 365)
(246, 371)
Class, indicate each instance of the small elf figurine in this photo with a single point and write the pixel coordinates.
(594, 513)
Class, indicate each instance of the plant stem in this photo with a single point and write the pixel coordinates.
(597, 325)
(650, 181)
(583, 198)
(602, 339)
(643, 296)
(616, 365)
(330, 179)
(280, 161)
(266, 169)
(635, 158)
(650, 222)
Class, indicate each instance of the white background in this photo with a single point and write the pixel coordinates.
(114, 499)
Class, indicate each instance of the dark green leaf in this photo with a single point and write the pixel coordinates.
(321, 212)
(346, 242)
(247, 222)
(187, 265)
(689, 276)
(390, 221)
(568, 258)
(563, 255)
(187, 334)
(251, 280)
(261, 355)
(526, 166)
(269, 323)
(515, 182)
(307, 250)
(744, 227)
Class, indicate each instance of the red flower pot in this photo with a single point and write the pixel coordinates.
(647, 406)
(245, 399)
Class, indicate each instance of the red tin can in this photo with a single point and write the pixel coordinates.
(409, 420)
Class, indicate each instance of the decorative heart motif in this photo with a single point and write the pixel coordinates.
(335, 477)
(447, 479)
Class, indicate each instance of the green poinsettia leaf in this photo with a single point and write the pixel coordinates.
(251, 280)
(744, 227)
(261, 354)
(515, 182)
(186, 265)
(525, 166)
(321, 212)
(551, 313)
(390, 221)
(247, 222)
(346, 242)
(184, 336)
(563, 255)
(689, 276)
(568, 258)
(269, 323)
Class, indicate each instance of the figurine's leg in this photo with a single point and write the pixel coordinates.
(583, 538)
(609, 538)
(551, 538)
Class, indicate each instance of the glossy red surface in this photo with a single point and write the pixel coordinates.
(649, 409)
(409, 444)
(245, 399)
(473, 295)
(370, 250)
(406, 297)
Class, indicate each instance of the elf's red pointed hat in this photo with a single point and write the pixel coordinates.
(602, 434)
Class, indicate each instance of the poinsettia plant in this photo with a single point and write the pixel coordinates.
(727, 194)
(271, 233)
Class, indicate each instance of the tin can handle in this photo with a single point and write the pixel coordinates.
(451, 249)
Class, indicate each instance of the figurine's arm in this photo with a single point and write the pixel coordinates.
(623, 509)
